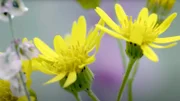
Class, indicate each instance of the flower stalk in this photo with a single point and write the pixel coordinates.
(125, 78)
(92, 95)
(76, 95)
(20, 73)
(131, 80)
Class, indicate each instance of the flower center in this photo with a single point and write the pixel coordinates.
(70, 59)
(139, 33)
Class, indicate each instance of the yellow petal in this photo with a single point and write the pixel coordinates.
(42, 57)
(24, 40)
(44, 49)
(27, 65)
(82, 66)
(121, 15)
(143, 15)
(166, 23)
(90, 42)
(152, 20)
(149, 53)
(98, 42)
(74, 33)
(59, 44)
(43, 68)
(167, 39)
(81, 35)
(57, 78)
(107, 19)
(112, 33)
(70, 79)
(166, 46)
(88, 61)
(67, 38)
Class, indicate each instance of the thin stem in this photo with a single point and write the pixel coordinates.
(76, 95)
(11, 26)
(122, 53)
(125, 79)
(92, 95)
(20, 73)
(131, 80)
(130, 94)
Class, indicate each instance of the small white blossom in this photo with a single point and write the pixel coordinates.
(16, 86)
(12, 7)
(10, 65)
(28, 50)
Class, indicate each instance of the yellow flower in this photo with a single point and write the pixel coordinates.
(144, 31)
(71, 54)
(166, 4)
(6, 95)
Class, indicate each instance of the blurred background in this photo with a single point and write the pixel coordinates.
(46, 18)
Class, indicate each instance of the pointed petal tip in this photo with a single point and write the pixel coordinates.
(46, 83)
(174, 14)
(156, 60)
(36, 39)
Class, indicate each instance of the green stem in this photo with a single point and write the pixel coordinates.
(131, 80)
(92, 95)
(20, 73)
(125, 78)
(130, 94)
(122, 53)
(76, 95)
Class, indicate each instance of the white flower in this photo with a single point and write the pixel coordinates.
(10, 65)
(28, 50)
(16, 86)
(12, 7)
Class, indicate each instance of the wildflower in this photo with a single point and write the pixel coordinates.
(6, 94)
(71, 56)
(16, 86)
(165, 4)
(141, 34)
(28, 50)
(12, 8)
(161, 7)
(10, 65)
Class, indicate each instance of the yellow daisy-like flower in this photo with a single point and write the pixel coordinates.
(71, 54)
(143, 32)
(6, 95)
(166, 4)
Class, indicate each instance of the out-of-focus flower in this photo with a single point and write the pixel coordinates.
(16, 86)
(71, 56)
(12, 7)
(161, 7)
(10, 64)
(28, 50)
(140, 34)
(89, 4)
(6, 94)
(29, 54)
